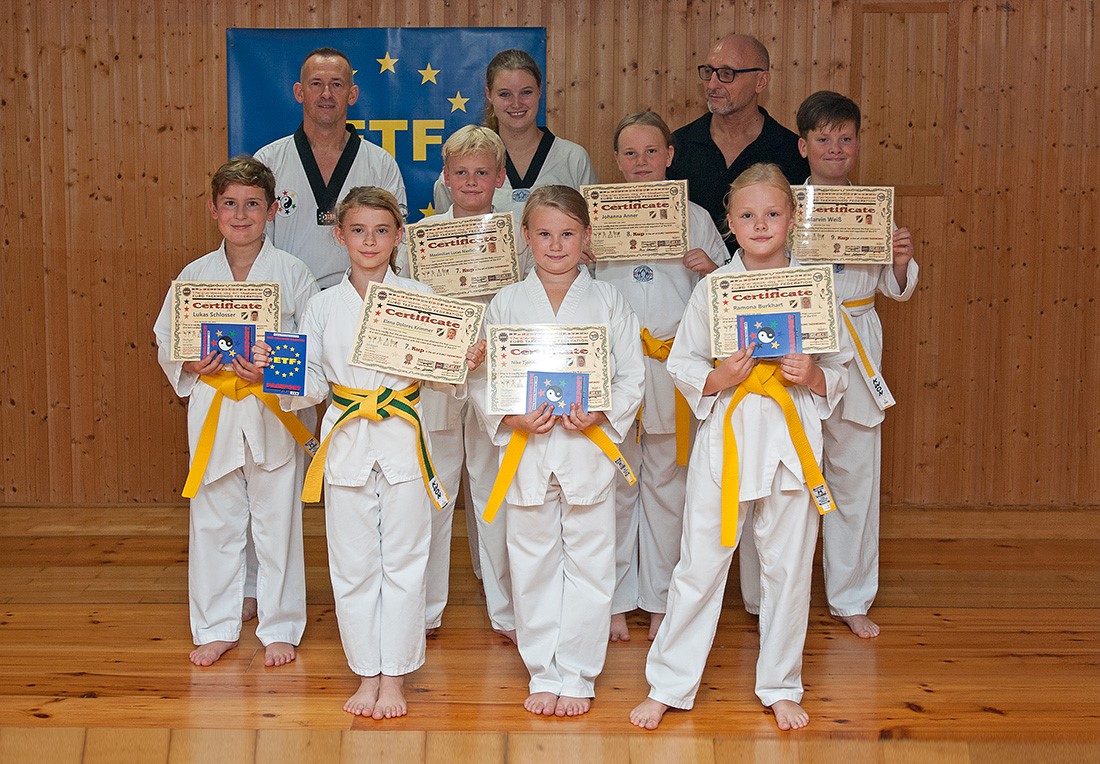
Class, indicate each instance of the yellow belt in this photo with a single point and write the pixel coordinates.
(377, 405)
(765, 379)
(514, 452)
(870, 373)
(226, 384)
(659, 350)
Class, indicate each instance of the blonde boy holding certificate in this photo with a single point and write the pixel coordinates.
(650, 512)
(473, 169)
(829, 125)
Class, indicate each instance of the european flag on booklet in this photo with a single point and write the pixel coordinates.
(231, 340)
(285, 374)
(561, 389)
(775, 334)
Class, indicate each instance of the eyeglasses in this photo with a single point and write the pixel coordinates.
(725, 74)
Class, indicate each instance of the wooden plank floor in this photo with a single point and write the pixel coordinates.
(990, 652)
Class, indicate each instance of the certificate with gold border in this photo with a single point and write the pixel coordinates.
(809, 290)
(195, 303)
(416, 334)
(843, 224)
(638, 221)
(515, 350)
(465, 257)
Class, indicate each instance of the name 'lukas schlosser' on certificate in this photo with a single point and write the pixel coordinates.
(195, 303)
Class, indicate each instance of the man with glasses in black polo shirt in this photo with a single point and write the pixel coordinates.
(736, 133)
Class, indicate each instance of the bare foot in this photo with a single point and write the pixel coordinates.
(279, 654)
(429, 633)
(647, 714)
(861, 625)
(789, 715)
(364, 700)
(248, 609)
(391, 698)
(569, 706)
(541, 703)
(208, 654)
(510, 633)
(619, 632)
(654, 624)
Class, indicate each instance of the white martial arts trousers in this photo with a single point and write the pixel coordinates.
(849, 550)
(378, 537)
(220, 516)
(482, 464)
(648, 522)
(784, 526)
(850, 533)
(447, 456)
(562, 560)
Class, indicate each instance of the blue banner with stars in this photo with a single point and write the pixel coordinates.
(416, 87)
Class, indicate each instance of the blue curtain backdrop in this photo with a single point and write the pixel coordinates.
(416, 87)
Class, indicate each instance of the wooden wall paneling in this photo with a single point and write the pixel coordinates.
(20, 256)
(603, 93)
(629, 51)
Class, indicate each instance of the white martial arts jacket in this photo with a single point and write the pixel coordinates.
(658, 291)
(247, 421)
(763, 441)
(586, 476)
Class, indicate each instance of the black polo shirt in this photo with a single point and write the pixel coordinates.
(699, 160)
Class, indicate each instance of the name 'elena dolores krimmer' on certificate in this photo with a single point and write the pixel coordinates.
(416, 334)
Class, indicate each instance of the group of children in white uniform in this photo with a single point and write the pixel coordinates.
(576, 546)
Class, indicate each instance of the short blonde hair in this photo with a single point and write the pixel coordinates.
(474, 139)
(561, 198)
(647, 118)
(373, 198)
(765, 173)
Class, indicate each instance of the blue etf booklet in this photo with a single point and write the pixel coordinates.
(561, 389)
(231, 340)
(286, 373)
(775, 334)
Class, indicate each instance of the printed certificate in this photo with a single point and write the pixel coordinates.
(809, 290)
(465, 257)
(416, 334)
(515, 350)
(195, 303)
(638, 221)
(843, 224)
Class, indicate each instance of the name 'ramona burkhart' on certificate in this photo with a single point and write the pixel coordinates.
(465, 257)
(638, 221)
(515, 350)
(195, 303)
(416, 334)
(808, 290)
(843, 224)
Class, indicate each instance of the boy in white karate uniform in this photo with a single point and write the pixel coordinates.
(250, 474)
(561, 492)
(649, 513)
(829, 123)
(473, 169)
(751, 471)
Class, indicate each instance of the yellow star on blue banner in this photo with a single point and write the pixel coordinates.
(428, 74)
(387, 63)
(428, 211)
(458, 103)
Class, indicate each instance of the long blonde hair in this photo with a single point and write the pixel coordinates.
(562, 198)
